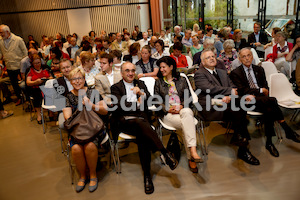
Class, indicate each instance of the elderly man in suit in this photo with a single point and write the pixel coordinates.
(251, 80)
(131, 117)
(213, 81)
(105, 79)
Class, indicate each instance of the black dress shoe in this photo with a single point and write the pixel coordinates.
(148, 184)
(272, 149)
(246, 156)
(170, 160)
(293, 136)
(193, 169)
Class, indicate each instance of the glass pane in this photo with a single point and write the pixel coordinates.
(215, 13)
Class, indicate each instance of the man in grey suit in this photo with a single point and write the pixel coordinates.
(212, 81)
(105, 79)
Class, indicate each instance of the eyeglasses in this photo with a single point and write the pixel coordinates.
(77, 79)
(128, 70)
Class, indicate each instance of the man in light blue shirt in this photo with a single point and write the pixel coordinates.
(187, 40)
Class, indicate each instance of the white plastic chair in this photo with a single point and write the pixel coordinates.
(149, 82)
(282, 90)
(268, 51)
(269, 68)
(189, 61)
(255, 57)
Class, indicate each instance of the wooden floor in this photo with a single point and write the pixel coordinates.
(33, 168)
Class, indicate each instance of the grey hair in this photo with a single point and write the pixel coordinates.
(127, 62)
(204, 51)
(244, 49)
(208, 41)
(5, 27)
(228, 44)
(175, 27)
(283, 34)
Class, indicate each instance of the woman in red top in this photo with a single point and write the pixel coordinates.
(37, 76)
(280, 51)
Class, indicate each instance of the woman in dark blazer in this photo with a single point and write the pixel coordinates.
(175, 113)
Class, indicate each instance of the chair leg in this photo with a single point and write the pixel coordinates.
(278, 133)
(43, 121)
(118, 169)
(71, 170)
(112, 149)
(61, 140)
(204, 140)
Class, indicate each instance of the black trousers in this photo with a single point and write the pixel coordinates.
(237, 117)
(271, 112)
(146, 137)
(1, 105)
(13, 75)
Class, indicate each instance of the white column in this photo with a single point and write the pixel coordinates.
(144, 16)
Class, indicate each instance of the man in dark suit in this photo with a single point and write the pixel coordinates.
(251, 80)
(258, 38)
(212, 81)
(131, 118)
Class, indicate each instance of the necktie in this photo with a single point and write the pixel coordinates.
(217, 77)
(250, 80)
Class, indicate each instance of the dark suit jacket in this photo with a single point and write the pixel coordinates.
(61, 82)
(263, 38)
(239, 78)
(205, 80)
(119, 91)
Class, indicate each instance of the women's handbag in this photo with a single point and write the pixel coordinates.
(84, 125)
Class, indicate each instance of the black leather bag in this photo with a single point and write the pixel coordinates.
(174, 146)
(84, 125)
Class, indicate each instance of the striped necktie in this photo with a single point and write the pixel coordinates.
(250, 80)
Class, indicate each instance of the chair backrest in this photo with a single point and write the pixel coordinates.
(268, 51)
(189, 61)
(149, 82)
(194, 96)
(269, 68)
(281, 88)
(235, 64)
(255, 57)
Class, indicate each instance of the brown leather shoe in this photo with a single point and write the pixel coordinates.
(193, 169)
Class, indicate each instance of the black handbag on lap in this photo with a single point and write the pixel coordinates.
(174, 146)
(84, 125)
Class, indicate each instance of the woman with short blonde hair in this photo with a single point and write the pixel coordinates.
(88, 65)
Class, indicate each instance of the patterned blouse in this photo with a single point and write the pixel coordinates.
(173, 94)
(227, 60)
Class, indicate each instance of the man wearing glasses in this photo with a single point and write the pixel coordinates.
(213, 81)
(131, 118)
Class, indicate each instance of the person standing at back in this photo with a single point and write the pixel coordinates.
(12, 51)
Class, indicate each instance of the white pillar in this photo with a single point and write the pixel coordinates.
(144, 16)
